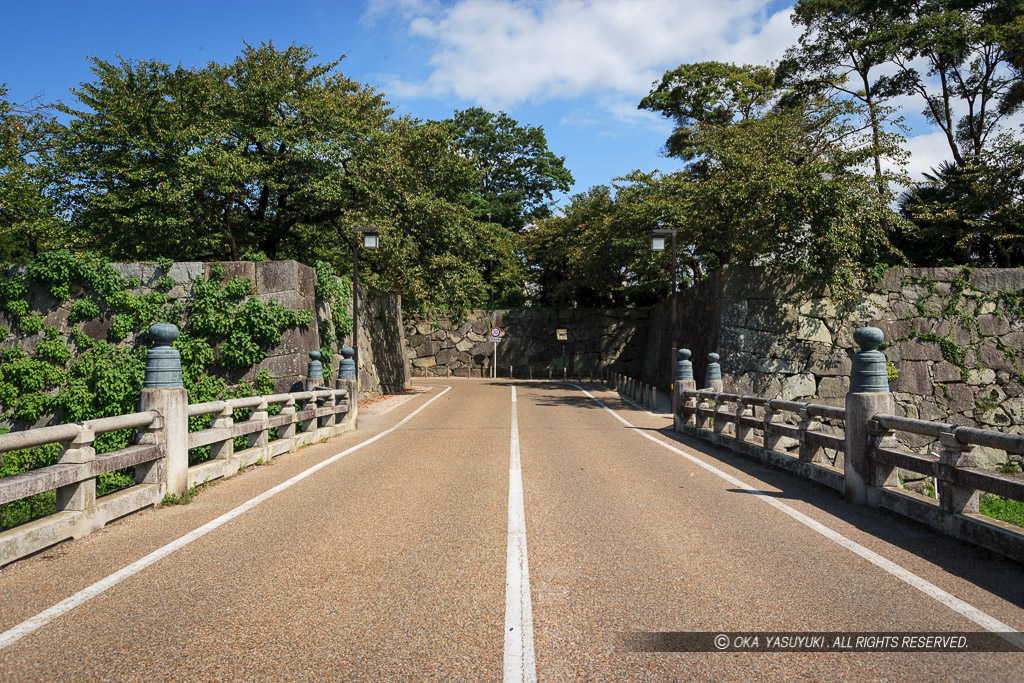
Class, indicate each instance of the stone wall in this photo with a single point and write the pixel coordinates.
(383, 366)
(595, 339)
(291, 284)
(954, 340)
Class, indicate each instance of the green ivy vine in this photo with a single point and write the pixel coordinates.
(77, 377)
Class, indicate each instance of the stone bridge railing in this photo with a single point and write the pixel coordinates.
(851, 449)
(162, 441)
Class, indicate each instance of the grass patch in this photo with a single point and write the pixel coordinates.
(1000, 508)
(184, 499)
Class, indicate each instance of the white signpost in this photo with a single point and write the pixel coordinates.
(495, 335)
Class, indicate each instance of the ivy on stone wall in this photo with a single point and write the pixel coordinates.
(80, 378)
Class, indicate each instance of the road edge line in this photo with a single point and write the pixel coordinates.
(954, 603)
(32, 624)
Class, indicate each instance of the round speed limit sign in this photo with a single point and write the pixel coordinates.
(495, 333)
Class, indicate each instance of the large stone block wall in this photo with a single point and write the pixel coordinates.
(954, 340)
(383, 366)
(595, 339)
(291, 284)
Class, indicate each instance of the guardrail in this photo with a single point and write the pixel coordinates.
(159, 455)
(850, 448)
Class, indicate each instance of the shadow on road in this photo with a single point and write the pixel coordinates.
(987, 570)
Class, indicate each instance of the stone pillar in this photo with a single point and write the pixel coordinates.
(288, 432)
(743, 431)
(770, 441)
(347, 379)
(314, 372)
(713, 376)
(953, 498)
(225, 419)
(809, 423)
(80, 496)
(868, 396)
(163, 391)
(684, 382)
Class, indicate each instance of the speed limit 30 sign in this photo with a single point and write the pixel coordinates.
(495, 333)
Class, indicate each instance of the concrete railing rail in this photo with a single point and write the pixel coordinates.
(73, 477)
(305, 418)
(160, 452)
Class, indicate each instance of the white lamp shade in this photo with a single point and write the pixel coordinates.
(370, 240)
(657, 243)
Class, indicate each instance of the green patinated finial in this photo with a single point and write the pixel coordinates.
(163, 362)
(315, 369)
(347, 366)
(714, 371)
(869, 374)
(684, 368)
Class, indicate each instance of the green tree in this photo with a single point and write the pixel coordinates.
(28, 216)
(518, 173)
(582, 257)
(971, 48)
(709, 93)
(787, 189)
(218, 161)
(774, 176)
(416, 192)
(971, 214)
(843, 45)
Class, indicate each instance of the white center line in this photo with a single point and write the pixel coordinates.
(520, 664)
(16, 633)
(949, 600)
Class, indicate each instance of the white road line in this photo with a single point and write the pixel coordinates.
(951, 601)
(520, 664)
(16, 633)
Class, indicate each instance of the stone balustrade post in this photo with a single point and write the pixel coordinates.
(770, 441)
(684, 382)
(163, 391)
(151, 472)
(809, 423)
(717, 425)
(288, 408)
(261, 438)
(225, 419)
(327, 421)
(868, 396)
(742, 430)
(348, 380)
(953, 498)
(705, 403)
(81, 495)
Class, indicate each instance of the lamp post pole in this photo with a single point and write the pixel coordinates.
(658, 244)
(672, 315)
(355, 300)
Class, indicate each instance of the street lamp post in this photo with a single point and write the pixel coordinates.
(658, 244)
(370, 241)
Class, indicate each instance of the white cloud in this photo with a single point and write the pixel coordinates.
(927, 152)
(498, 53)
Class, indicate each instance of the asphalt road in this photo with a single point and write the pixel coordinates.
(391, 562)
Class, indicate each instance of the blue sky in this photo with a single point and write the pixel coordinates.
(575, 67)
